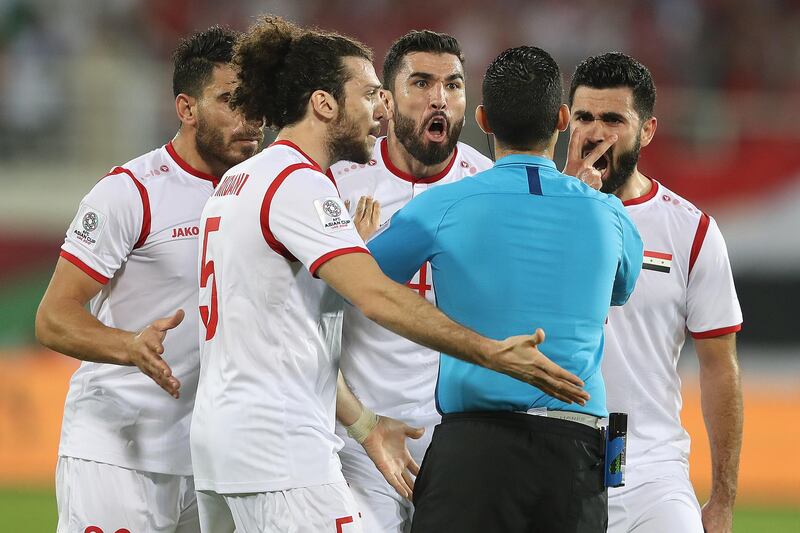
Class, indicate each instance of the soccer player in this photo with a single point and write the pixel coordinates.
(131, 253)
(515, 245)
(423, 78)
(686, 285)
(263, 443)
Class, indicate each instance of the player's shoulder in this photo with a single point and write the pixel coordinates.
(470, 158)
(670, 209)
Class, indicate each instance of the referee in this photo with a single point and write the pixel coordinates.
(517, 245)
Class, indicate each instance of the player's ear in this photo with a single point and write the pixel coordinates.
(323, 105)
(648, 131)
(388, 103)
(563, 117)
(482, 120)
(186, 108)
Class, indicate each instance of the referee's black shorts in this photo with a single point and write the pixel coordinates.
(511, 472)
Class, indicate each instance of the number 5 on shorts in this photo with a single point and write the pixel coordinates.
(209, 313)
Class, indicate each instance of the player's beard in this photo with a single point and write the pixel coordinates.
(623, 168)
(413, 139)
(212, 148)
(345, 142)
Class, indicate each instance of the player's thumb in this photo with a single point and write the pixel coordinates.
(538, 337)
(163, 324)
(414, 433)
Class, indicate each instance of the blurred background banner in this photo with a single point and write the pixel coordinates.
(86, 85)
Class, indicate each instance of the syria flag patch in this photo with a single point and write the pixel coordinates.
(658, 261)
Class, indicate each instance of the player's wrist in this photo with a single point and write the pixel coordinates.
(363, 426)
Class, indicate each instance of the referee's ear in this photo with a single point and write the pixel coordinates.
(482, 120)
(563, 118)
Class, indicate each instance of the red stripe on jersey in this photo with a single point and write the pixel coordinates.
(290, 144)
(658, 255)
(274, 243)
(336, 253)
(699, 237)
(145, 231)
(92, 273)
(716, 332)
(642, 199)
(342, 521)
(188, 168)
(329, 173)
(408, 177)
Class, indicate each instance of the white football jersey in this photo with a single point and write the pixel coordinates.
(264, 414)
(388, 373)
(136, 233)
(686, 283)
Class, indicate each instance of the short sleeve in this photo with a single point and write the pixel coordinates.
(630, 263)
(407, 241)
(309, 219)
(712, 305)
(109, 224)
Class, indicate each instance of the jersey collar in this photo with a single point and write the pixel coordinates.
(645, 197)
(186, 167)
(408, 177)
(524, 159)
(292, 145)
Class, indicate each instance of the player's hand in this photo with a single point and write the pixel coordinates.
(583, 167)
(520, 358)
(717, 518)
(367, 217)
(386, 446)
(145, 350)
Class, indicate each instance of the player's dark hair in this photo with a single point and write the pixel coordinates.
(615, 69)
(281, 65)
(196, 56)
(522, 96)
(417, 41)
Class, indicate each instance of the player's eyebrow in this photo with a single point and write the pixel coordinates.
(429, 76)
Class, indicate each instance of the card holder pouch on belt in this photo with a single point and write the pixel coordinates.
(616, 437)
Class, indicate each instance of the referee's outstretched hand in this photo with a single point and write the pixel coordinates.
(520, 358)
(386, 446)
(147, 346)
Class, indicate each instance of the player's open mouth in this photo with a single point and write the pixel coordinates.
(603, 164)
(437, 129)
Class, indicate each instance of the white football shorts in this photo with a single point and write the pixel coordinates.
(101, 498)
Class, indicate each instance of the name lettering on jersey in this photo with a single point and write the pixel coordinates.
(333, 214)
(232, 185)
(658, 261)
(185, 231)
(88, 226)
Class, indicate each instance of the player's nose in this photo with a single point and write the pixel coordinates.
(438, 96)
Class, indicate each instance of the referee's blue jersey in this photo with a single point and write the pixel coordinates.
(513, 248)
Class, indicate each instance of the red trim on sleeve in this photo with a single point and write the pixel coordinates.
(330, 255)
(408, 177)
(699, 237)
(89, 271)
(145, 231)
(190, 169)
(290, 144)
(274, 243)
(716, 332)
(645, 197)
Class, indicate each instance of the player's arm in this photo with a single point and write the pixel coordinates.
(383, 438)
(358, 279)
(721, 401)
(63, 324)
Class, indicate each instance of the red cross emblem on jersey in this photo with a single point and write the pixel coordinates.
(421, 286)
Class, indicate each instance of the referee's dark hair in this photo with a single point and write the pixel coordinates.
(522, 96)
(615, 69)
(196, 56)
(417, 41)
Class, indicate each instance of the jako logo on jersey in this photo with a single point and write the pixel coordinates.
(186, 231)
(658, 261)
